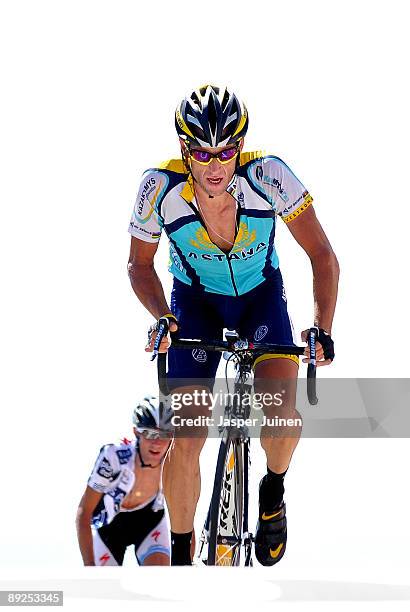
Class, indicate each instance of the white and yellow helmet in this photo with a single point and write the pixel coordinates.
(211, 116)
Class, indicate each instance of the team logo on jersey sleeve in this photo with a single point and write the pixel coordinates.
(152, 192)
(298, 206)
(105, 469)
(261, 180)
(124, 455)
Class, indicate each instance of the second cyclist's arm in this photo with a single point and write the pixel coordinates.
(144, 279)
(85, 510)
(308, 232)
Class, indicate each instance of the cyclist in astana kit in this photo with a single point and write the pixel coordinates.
(218, 207)
(123, 504)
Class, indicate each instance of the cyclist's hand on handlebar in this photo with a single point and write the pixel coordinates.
(324, 348)
(166, 340)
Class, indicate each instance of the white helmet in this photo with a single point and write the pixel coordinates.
(150, 413)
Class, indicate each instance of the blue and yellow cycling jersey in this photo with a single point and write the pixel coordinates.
(263, 187)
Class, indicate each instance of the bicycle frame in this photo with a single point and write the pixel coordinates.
(244, 353)
(223, 549)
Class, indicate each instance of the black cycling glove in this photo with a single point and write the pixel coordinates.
(170, 318)
(327, 343)
(156, 326)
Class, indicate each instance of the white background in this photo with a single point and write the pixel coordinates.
(88, 94)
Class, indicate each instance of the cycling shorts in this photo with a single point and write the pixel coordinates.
(146, 530)
(260, 315)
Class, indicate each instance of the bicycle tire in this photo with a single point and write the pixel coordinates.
(226, 513)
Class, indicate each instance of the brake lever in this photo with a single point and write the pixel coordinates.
(163, 329)
(311, 372)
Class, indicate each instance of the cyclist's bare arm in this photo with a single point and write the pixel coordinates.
(85, 511)
(144, 279)
(145, 282)
(308, 232)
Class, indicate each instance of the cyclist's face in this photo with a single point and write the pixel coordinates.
(153, 450)
(215, 177)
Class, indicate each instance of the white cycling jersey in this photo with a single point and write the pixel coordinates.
(113, 475)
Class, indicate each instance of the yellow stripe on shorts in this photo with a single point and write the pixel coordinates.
(266, 356)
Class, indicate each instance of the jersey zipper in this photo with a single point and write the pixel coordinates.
(238, 220)
(237, 217)
(232, 276)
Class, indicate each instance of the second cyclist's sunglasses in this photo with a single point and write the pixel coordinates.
(205, 157)
(155, 434)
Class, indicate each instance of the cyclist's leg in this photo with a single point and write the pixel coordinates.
(276, 378)
(103, 555)
(181, 476)
(113, 539)
(155, 547)
(275, 375)
(275, 382)
(190, 375)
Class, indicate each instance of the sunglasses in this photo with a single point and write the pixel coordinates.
(205, 157)
(154, 434)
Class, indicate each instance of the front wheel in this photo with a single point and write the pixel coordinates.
(227, 504)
